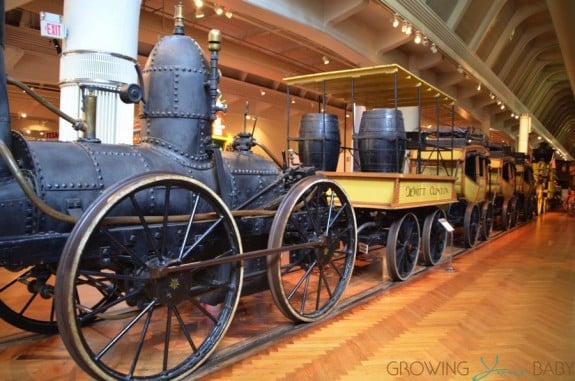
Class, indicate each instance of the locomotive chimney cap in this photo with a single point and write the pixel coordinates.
(179, 19)
(214, 40)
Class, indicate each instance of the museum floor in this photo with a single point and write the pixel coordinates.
(506, 312)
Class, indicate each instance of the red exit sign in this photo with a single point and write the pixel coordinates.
(51, 25)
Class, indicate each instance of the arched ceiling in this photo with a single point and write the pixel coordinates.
(522, 52)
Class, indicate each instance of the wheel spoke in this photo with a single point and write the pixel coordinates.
(143, 223)
(209, 230)
(163, 250)
(147, 310)
(189, 226)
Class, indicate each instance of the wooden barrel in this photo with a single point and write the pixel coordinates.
(381, 141)
(319, 141)
(544, 152)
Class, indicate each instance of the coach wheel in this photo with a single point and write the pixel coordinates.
(508, 214)
(307, 282)
(486, 220)
(541, 201)
(529, 207)
(26, 298)
(402, 248)
(471, 225)
(434, 238)
(514, 212)
(141, 242)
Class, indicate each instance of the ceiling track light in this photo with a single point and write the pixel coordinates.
(479, 86)
(325, 60)
(433, 48)
(408, 29)
(417, 38)
(395, 22)
(219, 10)
(229, 14)
(460, 69)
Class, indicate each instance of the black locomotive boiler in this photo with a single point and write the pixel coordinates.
(141, 251)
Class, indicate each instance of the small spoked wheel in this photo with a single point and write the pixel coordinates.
(402, 248)
(486, 220)
(316, 230)
(27, 298)
(434, 238)
(471, 224)
(131, 301)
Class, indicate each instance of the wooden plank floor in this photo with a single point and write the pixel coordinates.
(507, 312)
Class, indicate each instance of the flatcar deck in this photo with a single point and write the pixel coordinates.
(395, 190)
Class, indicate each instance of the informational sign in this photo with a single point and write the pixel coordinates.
(51, 26)
(446, 225)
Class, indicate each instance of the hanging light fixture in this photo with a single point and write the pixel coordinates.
(199, 12)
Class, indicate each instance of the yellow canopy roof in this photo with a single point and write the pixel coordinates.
(373, 87)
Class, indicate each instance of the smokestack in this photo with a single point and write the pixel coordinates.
(5, 134)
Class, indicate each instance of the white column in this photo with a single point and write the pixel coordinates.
(100, 50)
(524, 130)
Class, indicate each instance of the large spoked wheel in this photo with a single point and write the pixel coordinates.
(471, 225)
(487, 218)
(307, 282)
(530, 203)
(541, 200)
(402, 248)
(129, 304)
(26, 298)
(508, 214)
(514, 212)
(434, 238)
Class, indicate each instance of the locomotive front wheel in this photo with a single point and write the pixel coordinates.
(306, 284)
(151, 316)
(26, 298)
(471, 224)
(402, 249)
(486, 220)
(434, 238)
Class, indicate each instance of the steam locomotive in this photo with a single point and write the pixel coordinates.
(139, 246)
